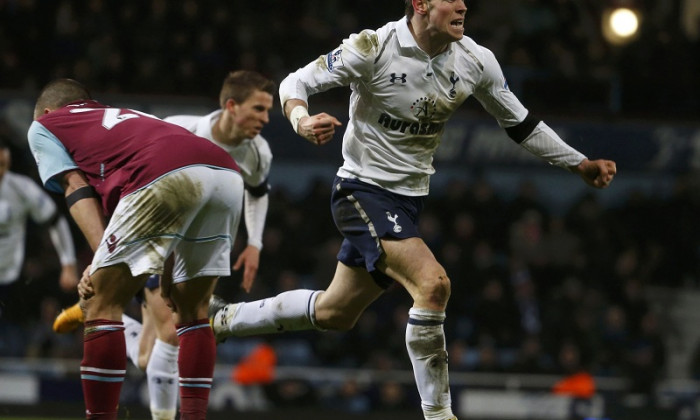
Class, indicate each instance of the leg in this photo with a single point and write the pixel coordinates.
(411, 263)
(338, 308)
(197, 346)
(159, 352)
(104, 356)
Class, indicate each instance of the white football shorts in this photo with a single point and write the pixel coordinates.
(192, 212)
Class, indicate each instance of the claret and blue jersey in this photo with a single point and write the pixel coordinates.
(118, 150)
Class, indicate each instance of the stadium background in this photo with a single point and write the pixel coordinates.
(550, 278)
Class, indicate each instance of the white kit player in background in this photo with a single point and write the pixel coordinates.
(406, 80)
(21, 199)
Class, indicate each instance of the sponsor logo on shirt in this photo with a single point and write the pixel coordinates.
(413, 127)
(424, 109)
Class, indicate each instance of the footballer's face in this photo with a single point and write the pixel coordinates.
(446, 19)
(251, 115)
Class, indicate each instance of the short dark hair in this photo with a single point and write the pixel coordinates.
(409, 9)
(239, 85)
(58, 93)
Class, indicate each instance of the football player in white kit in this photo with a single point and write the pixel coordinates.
(407, 78)
(21, 199)
(246, 98)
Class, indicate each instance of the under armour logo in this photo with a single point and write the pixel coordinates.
(394, 77)
(454, 80)
(392, 219)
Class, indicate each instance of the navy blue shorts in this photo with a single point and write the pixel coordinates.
(364, 214)
(153, 282)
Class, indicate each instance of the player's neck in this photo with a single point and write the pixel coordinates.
(223, 132)
(426, 42)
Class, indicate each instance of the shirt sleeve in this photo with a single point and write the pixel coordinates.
(50, 155)
(41, 206)
(340, 67)
(494, 95)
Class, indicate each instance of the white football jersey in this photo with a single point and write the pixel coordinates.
(401, 99)
(253, 156)
(20, 199)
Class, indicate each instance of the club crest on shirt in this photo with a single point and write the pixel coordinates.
(334, 59)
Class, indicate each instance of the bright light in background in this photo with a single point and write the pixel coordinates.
(624, 22)
(621, 25)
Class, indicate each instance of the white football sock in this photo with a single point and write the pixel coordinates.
(425, 341)
(288, 311)
(132, 334)
(162, 380)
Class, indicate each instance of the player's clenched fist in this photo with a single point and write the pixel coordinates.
(598, 173)
(318, 129)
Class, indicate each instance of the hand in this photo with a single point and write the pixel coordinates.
(319, 128)
(597, 173)
(166, 285)
(85, 289)
(69, 278)
(250, 259)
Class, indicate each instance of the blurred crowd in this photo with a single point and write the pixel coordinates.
(186, 46)
(532, 292)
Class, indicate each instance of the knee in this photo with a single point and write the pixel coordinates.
(435, 288)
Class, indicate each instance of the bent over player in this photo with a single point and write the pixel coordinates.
(167, 192)
(246, 98)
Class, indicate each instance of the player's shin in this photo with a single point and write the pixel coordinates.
(288, 311)
(196, 365)
(162, 381)
(103, 367)
(425, 341)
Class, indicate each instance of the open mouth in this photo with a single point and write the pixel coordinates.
(457, 23)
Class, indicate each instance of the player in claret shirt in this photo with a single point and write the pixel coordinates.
(246, 98)
(166, 192)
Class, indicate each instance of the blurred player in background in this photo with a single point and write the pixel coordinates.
(406, 78)
(246, 98)
(166, 192)
(21, 199)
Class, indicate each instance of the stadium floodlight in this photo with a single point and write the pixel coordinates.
(620, 25)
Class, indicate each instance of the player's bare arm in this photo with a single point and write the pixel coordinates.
(249, 259)
(86, 210)
(597, 173)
